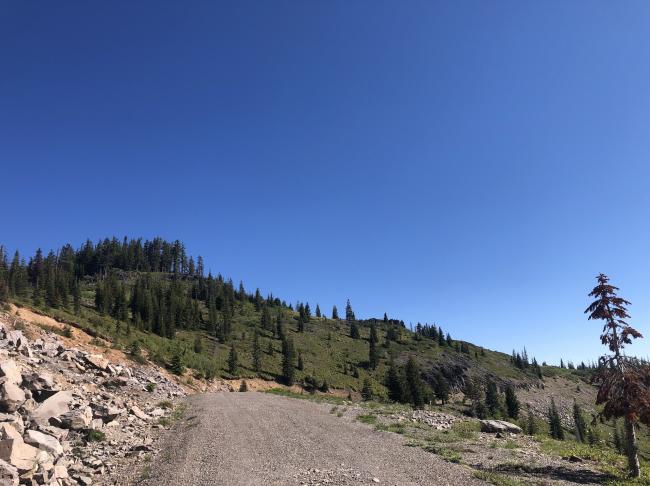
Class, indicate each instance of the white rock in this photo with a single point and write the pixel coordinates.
(44, 442)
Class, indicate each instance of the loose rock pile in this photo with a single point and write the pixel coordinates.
(436, 420)
(67, 416)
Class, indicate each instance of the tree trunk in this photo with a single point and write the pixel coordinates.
(632, 449)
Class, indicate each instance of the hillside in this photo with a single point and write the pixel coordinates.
(150, 295)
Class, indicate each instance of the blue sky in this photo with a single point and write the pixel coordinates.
(472, 164)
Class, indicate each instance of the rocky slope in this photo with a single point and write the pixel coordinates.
(69, 415)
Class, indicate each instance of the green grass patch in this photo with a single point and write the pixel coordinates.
(498, 479)
(367, 418)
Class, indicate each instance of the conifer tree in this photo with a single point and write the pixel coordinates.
(279, 327)
(414, 384)
(366, 390)
(512, 403)
(373, 354)
(288, 358)
(351, 321)
(233, 363)
(301, 364)
(531, 424)
(395, 383)
(580, 424)
(269, 349)
(335, 314)
(441, 388)
(178, 365)
(257, 352)
(318, 313)
(554, 422)
(492, 401)
(624, 382)
(266, 322)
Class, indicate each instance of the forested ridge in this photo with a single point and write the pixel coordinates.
(150, 295)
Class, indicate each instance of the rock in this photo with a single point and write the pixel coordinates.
(11, 397)
(23, 456)
(98, 361)
(8, 431)
(135, 410)
(39, 381)
(107, 413)
(157, 412)
(499, 426)
(10, 372)
(8, 474)
(116, 381)
(44, 442)
(78, 419)
(14, 420)
(60, 472)
(55, 406)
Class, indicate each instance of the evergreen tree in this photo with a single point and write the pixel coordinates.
(554, 422)
(178, 365)
(414, 384)
(257, 352)
(492, 401)
(395, 383)
(301, 364)
(580, 424)
(512, 403)
(441, 388)
(198, 344)
(335, 314)
(531, 424)
(279, 327)
(318, 313)
(266, 322)
(366, 390)
(351, 321)
(233, 363)
(76, 298)
(270, 349)
(373, 355)
(288, 358)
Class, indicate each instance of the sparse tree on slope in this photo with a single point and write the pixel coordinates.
(288, 358)
(512, 403)
(373, 354)
(233, 363)
(624, 382)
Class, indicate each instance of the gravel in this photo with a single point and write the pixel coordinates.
(257, 438)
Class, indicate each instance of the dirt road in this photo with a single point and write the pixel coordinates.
(258, 439)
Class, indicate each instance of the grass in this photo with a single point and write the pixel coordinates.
(497, 479)
(95, 436)
(368, 418)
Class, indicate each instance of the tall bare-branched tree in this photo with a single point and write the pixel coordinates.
(624, 381)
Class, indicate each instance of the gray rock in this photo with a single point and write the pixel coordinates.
(10, 372)
(44, 442)
(53, 407)
(499, 426)
(23, 456)
(8, 474)
(78, 419)
(11, 397)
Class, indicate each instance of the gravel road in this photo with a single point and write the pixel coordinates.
(260, 439)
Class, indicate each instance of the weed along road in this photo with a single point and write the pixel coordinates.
(257, 438)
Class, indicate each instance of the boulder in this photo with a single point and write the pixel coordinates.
(39, 381)
(44, 442)
(23, 456)
(15, 420)
(135, 410)
(8, 474)
(10, 372)
(78, 419)
(8, 431)
(499, 426)
(11, 397)
(97, 361)
(53, 407)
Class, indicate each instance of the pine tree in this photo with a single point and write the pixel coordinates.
(580, 424)
(623, 381)
(554, 422)
(512, 403)
(415, 386)
(373, 355)
(394, 383)
(335, 314)
(257, 352)
(366, 390)
(301, 364)
(441, 388)
(351, 321)
(178, 365)
(288, 358)
(266, 322)
(318, 313)
(270, 349)
(233, 363)
(279, 327)
(492, 401)
(531, 425)
(76, 298)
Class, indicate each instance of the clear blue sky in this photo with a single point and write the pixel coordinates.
(473, 164)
